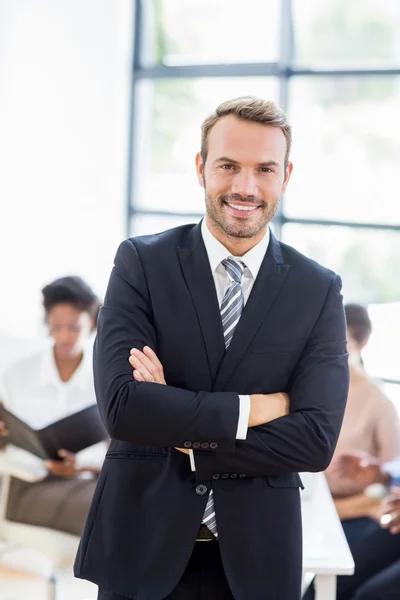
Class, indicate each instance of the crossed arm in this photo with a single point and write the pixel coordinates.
(263, 407)
(138, 411)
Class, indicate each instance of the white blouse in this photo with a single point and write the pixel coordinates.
(33, 390)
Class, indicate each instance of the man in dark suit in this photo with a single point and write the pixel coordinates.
(223, 326)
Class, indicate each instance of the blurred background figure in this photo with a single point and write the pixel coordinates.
(377, 554)
(44, 388)
(371, 424)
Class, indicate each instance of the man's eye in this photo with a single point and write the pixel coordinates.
(266, 170)
(227, 167)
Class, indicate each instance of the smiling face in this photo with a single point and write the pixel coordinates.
(244, 176)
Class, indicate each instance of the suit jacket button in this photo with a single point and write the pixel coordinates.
(242, 475)
(233, 475)
(205, 445)
(187, 444)
(213, 445)
(215, 476)
(225, 476)
(201, 489)
(196, 445)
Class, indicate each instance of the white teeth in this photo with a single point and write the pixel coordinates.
(237, 207)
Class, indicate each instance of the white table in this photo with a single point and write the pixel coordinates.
(325, 549)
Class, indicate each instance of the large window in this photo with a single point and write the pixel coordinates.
(334, 66)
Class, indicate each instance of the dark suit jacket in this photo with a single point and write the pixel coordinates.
(148, 504)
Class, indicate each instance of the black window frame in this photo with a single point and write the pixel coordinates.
(283, 69)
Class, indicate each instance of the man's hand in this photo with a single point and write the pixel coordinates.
(146, 366)
(390, 512)
(361, 467)
(267, 407)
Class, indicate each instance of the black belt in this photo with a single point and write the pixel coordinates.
(205, 535)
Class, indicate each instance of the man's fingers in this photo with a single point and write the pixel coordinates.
(145, 373)
(149, 361)
(137, 358)
(143, 367)
(153, 357)
(148, 357)
(137, 375)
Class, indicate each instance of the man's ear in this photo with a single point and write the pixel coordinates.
(288, 172)
(200, 169)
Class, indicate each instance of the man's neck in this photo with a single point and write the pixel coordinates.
(236, 246)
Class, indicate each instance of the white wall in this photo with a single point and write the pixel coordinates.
(64, 91)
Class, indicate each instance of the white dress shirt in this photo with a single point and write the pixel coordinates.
(253, 259)
(33, 390)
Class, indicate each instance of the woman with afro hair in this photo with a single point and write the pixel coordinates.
(52, 384)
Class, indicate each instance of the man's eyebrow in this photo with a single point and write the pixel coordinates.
(268, 163)
(226, 159)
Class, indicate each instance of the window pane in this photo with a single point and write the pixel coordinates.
(147, 224)
(171, 114)
(359, 33)
(381, 357)
(215, 31)
(346, 149)
(367, 261)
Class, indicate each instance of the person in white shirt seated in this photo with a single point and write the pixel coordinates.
(50, 385)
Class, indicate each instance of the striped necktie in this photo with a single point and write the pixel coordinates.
(231, 310)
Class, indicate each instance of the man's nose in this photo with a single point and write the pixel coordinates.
(245, 184)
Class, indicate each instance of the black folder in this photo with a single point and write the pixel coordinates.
(74, 433)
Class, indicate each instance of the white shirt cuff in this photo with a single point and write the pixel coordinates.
(244, 413)
(243, 423)
(192, 463)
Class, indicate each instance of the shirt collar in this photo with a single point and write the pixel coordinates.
(217, 252)
(49, 375)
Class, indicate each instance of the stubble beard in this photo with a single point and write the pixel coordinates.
(234, 228)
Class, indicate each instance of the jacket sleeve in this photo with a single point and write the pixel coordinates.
(149, 414)
(305, 439)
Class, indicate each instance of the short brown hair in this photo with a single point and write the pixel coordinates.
(248, 108)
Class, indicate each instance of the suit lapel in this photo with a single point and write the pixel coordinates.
(266, 288)
(197, 273)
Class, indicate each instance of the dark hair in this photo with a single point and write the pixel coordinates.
(358, 322)
(71, 290)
